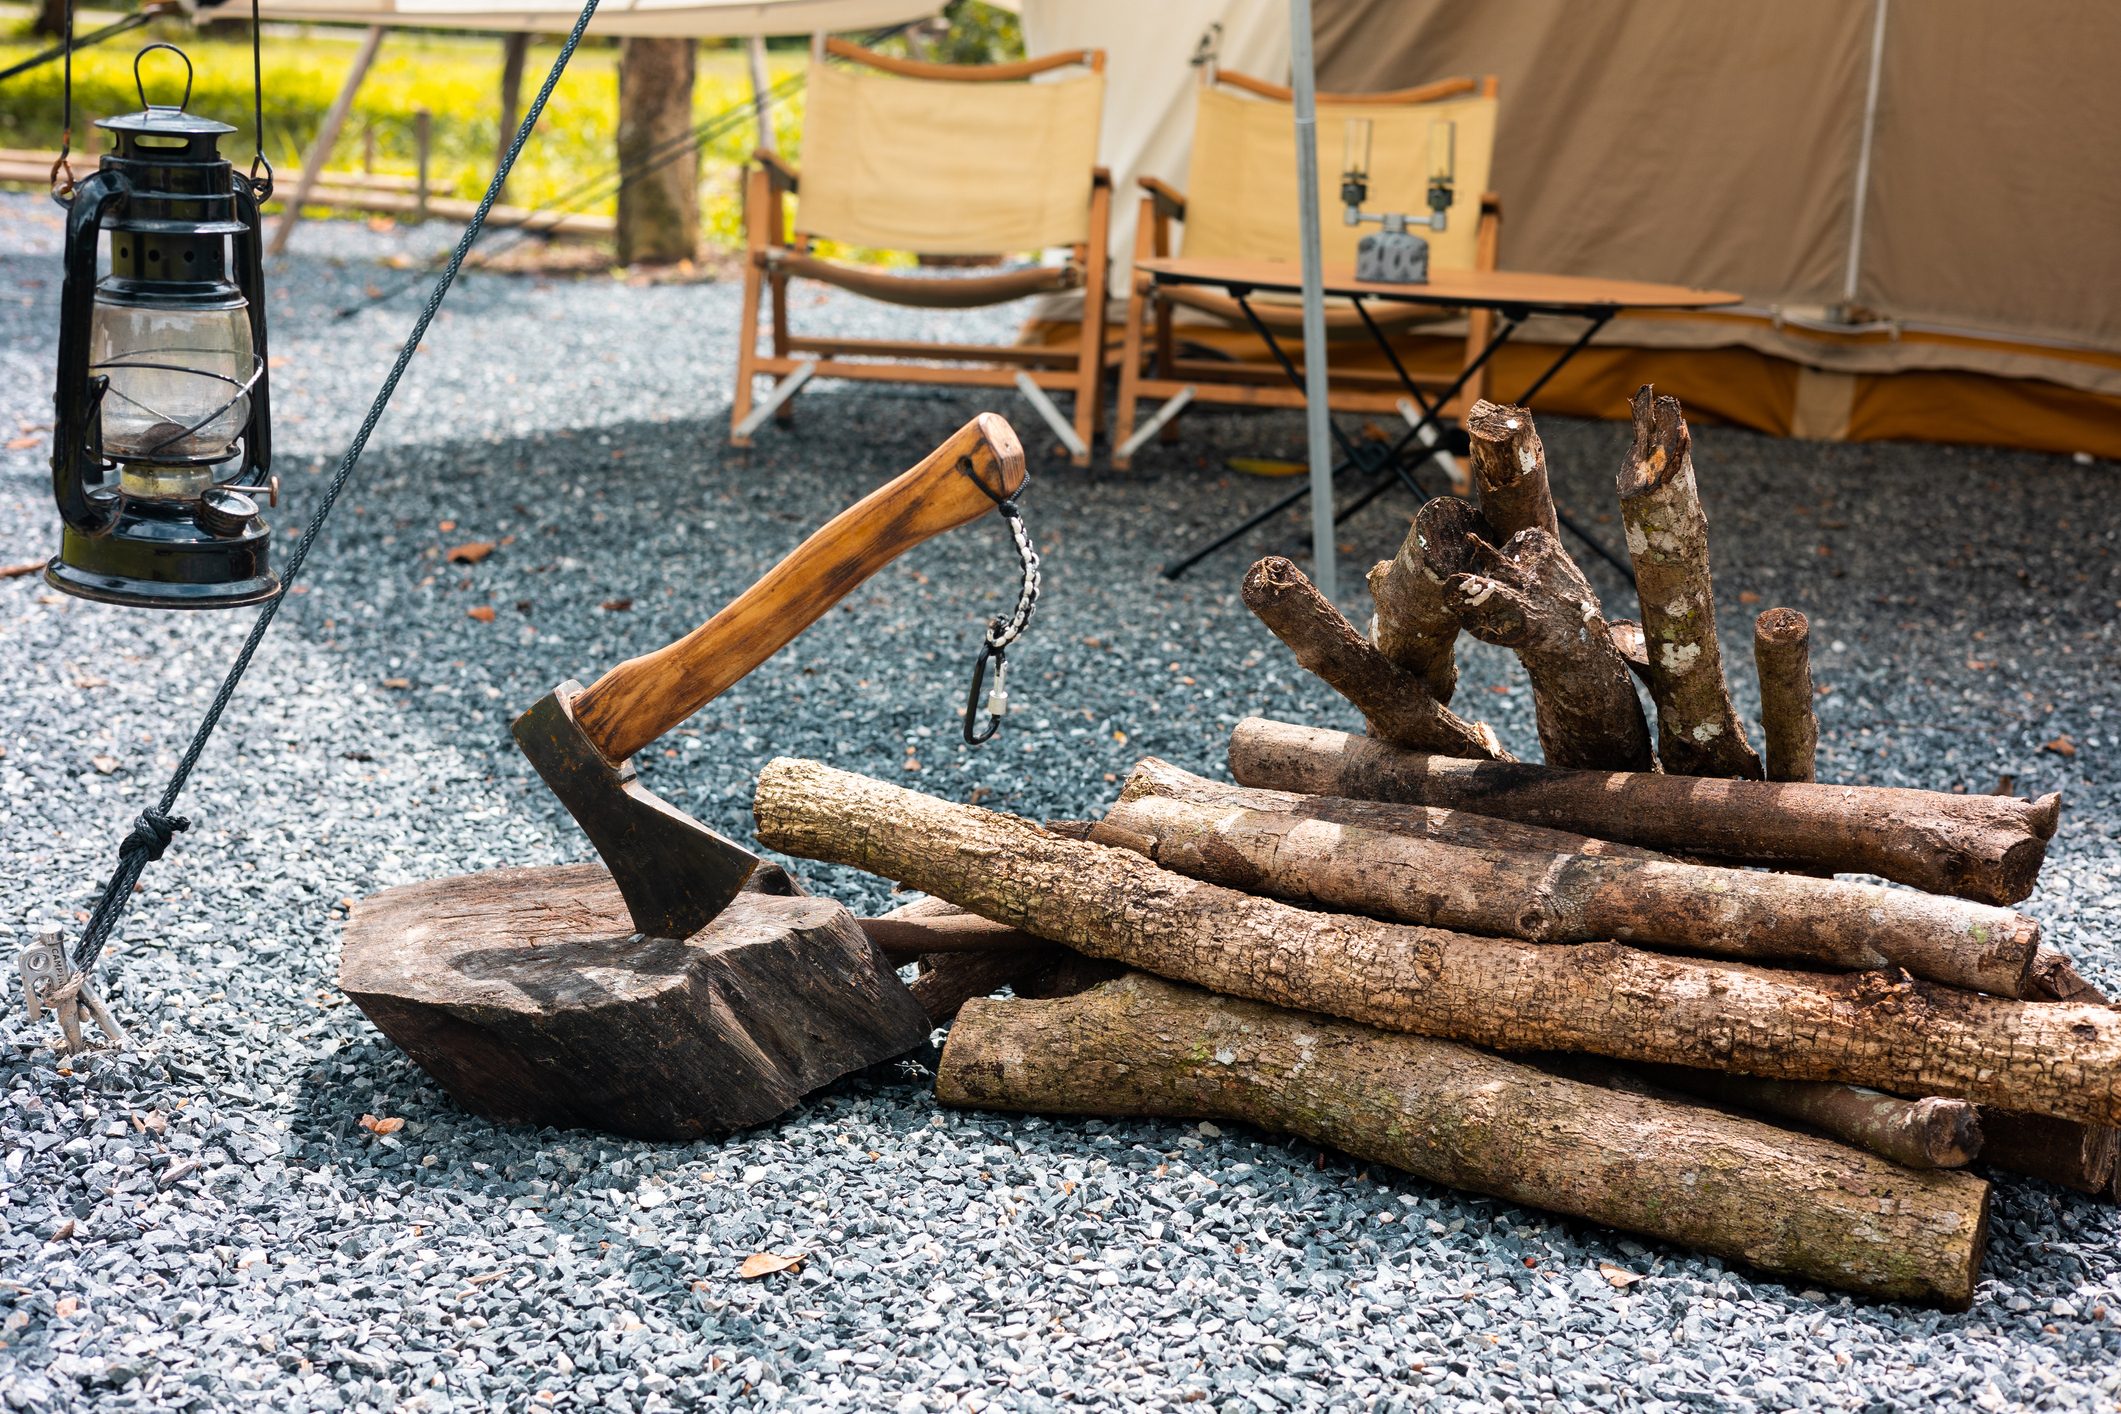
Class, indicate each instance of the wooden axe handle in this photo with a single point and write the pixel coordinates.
(642, 698)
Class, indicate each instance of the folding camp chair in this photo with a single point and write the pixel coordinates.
(1241, 204)
(936, 160)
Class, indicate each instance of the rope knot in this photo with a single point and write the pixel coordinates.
(151, 833)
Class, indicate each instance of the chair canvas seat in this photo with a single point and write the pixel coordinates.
(888, 166)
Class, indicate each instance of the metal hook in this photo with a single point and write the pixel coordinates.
(140, 85)
(997, 705)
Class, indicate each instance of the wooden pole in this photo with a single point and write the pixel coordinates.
(515, 50)
(1789, 1204)
(327, 137)
(761, 88)
(1782, 655)
(1867, 1028)
(659, 185)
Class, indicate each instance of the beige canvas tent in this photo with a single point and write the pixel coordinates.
(1920, 199)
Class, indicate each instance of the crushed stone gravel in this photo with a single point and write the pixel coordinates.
(206, 1222)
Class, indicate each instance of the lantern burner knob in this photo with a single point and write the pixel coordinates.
(224, 514)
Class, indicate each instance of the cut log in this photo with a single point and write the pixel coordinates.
(1413, 627)
(1530, 597)
(1554, 897)
(1782, 655)
(1930, 1133)
(1698, 731)
(1788, 1204)
(1510, 470)
(1983, 847)
(529, 997)
(1628, 642)
(1868, 1028)
(2079, 1156)
(1158, 778)
(1393, 701)
(977, 958)
(659, 165)
(2057, 979)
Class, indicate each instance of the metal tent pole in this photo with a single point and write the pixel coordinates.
(1304, 81)
(1853, 275)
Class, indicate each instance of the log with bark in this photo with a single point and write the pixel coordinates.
(1789, 1204)
(1531, 598)
(962, 956)
(1929, 1133)
(1905, 1036)
(1698, 731)
(1983, 847)
(1394, 702)
(1510, 470)
(1160, 779)
(1567, 897)
(1413, 627)
(2085, 1157)
(1782, 655)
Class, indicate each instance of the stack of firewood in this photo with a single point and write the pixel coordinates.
(1624, 984)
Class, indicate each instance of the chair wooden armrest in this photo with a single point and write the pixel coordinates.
(1169, 204)
(783, 176)
(1491, 203)
(1092, 59)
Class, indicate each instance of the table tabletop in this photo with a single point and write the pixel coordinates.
(1494, 289)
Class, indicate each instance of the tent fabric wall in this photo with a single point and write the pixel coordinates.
(1148, 129)
(1995, 195)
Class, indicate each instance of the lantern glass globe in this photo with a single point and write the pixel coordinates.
(179, 395)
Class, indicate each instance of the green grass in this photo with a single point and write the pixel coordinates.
(455, 78)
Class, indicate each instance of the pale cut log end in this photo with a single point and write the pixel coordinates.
(1630, 643)
(1782, 628)
(2045, 815)
(1662, 443)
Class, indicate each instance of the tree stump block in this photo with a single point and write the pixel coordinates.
(527, 995)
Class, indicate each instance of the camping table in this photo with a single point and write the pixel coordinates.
(1514, 295)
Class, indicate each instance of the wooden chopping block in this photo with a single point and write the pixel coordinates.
(529, 997)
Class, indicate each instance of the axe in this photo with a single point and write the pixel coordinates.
(675, 874)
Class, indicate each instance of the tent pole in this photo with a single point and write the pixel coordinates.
(1304, 82)
(327, 136)
(1853, 276)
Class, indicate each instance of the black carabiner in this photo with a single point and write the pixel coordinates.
(974, 737)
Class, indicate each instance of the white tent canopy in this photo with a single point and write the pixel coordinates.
(662, 19)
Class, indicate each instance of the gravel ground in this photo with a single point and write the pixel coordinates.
(206, 1220)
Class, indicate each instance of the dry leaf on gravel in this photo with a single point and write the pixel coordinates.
(2061, 746)
(616, 606)
(483, 613)
(382, 1124)
(762, 1264)
(468, 553)
(1620, 1277)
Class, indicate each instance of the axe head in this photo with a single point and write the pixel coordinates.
(675, 874)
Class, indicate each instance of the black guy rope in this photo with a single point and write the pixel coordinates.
(152, 831)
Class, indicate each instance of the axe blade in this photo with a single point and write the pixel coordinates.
(675, 874)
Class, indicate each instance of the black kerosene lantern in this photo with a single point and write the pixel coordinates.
(162, 428)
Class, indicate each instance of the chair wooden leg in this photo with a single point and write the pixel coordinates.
(747, 352)
(1166, 359)
(1128, 402)
(778, 288)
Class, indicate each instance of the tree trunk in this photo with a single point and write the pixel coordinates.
(1789, 1204)
(1414, 628)
(51, 19)
(1393, 701)
(1698, 731)
(1782, 655)
(1510, 470)
(529, 997)
(1162, 780)
(1570, 898)
(1983, 847)
(1868, 1028)
(659, 190)
(1930, 1133)
(1530, 597)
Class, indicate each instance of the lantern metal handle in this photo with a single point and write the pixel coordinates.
(140, 85)
(74, 422)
